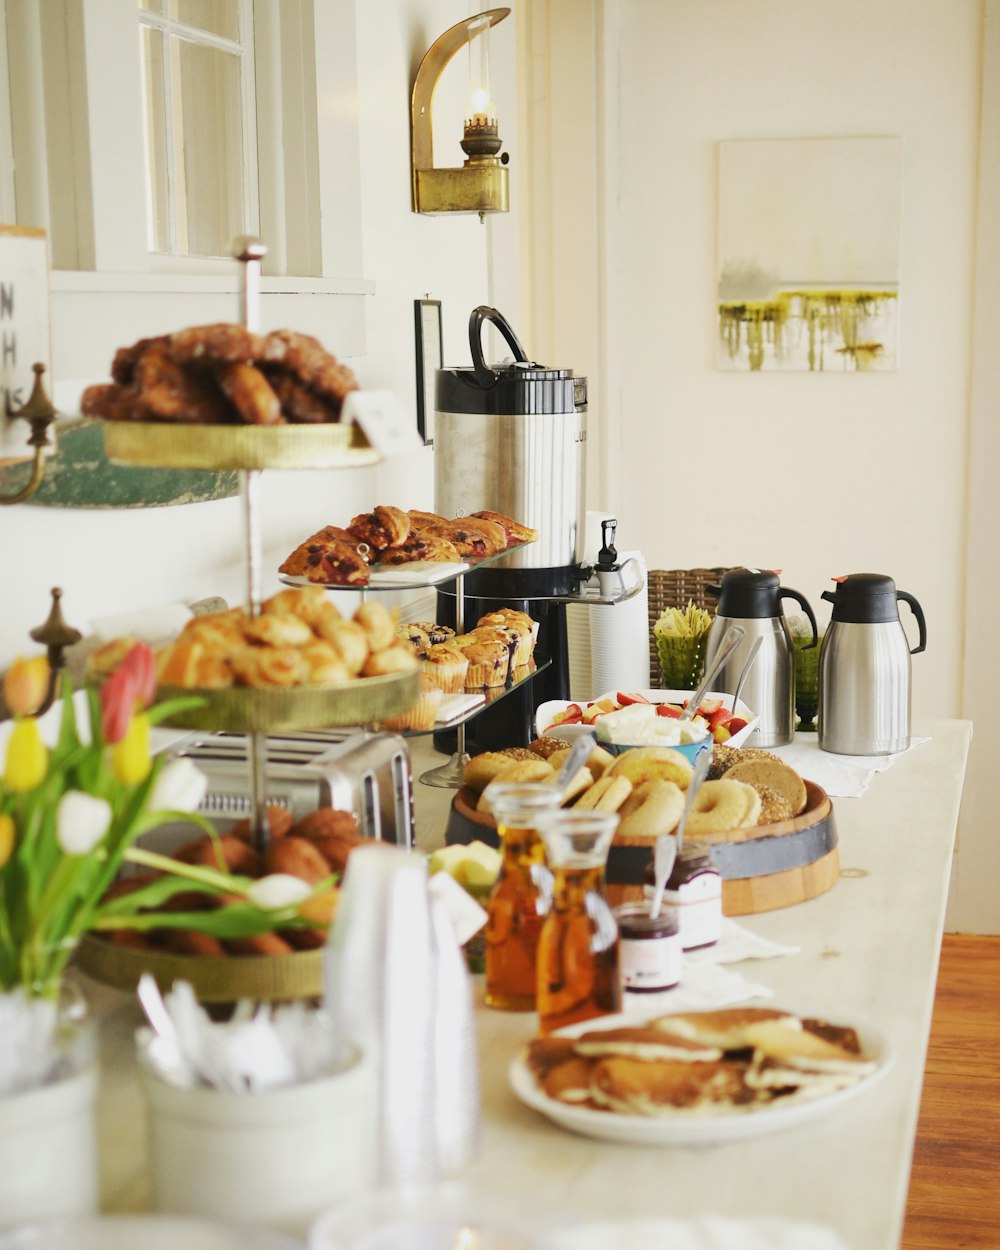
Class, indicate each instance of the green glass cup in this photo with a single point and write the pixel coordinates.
(682, 661)
(806, 659)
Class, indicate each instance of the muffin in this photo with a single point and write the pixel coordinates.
(489, 662)
(445, 666)
(422, 714)
(436, 633)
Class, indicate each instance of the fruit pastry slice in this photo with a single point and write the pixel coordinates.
(330, 557)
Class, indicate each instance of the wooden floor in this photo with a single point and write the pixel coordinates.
(954, 1201)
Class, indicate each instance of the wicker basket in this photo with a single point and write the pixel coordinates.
(673, 588)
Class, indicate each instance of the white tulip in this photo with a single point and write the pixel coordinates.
(82, 820)
(180, 787)
(278, 890)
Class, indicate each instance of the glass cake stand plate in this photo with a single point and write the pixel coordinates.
(173, 445)
(214, 978)
(249, 709)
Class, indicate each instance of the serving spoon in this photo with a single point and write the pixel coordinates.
(732, 638)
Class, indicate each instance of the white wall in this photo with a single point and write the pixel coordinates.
(116, 561)
(815, 475)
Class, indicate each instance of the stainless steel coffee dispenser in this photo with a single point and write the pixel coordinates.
(512, 438)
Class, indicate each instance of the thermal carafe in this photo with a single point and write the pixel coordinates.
(752, 598)
(511, 438)
(864, 668)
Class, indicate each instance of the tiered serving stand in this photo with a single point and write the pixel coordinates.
(255, 712)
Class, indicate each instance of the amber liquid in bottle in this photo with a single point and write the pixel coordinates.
(515, 913)
(579, 976)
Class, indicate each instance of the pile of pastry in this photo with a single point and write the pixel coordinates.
(647, 786)
(222, 374)
(388, 537)
(312, 849)
(298, 639)
(499, 648)
(700, 1063)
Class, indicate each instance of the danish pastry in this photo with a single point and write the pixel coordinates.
(328, 559)
(272, 629)
(382, 528)
(515, 531)
(269, 666)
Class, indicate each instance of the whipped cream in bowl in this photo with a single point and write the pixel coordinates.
(640, 725)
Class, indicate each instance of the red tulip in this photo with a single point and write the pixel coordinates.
(118, 696)
(141, 665)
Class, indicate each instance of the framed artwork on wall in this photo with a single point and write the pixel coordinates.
(808, 235)
(429, 355)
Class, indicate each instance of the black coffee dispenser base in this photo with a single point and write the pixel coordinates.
(511, 721)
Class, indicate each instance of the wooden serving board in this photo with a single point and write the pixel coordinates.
(763, 868)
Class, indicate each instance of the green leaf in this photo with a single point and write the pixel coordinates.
(160, 712)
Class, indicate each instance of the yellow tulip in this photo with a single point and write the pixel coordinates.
(7, 834)
(27, 756)
(25, 685)
(130, 758)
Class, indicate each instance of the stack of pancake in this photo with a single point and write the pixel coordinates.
(702, 1063)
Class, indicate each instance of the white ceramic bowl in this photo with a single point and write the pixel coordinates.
(547, 712)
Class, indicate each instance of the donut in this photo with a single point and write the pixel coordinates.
(641, 764)
(774, 773)
(720, 806)
(607, 794)
(774, 806)
(653, 807)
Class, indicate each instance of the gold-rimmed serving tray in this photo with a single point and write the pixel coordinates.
(248, 709)
(214, 979)
(175, 445)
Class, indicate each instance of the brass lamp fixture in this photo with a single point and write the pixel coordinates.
(39, 414)
(481, 184)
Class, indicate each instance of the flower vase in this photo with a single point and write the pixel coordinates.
(48, 1138)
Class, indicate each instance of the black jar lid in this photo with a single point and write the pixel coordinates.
(520, 388)
(864, 598)
(749, 594)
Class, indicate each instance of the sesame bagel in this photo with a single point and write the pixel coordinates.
(773, 773)
(642, 764)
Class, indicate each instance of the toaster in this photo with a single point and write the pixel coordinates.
(367, 774)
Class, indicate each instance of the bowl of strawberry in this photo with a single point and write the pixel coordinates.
(623, 719)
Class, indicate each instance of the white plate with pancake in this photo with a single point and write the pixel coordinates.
(694, 1126)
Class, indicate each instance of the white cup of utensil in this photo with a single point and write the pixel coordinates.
(276, 1157)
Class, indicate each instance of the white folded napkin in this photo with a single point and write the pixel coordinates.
(703, 987)
(711, 1232)
(841, 776)
(736, 943)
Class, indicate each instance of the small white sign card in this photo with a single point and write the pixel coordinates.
(24, 329)
(382, 418)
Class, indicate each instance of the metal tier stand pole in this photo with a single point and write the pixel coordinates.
(449, 776)
(250, 252)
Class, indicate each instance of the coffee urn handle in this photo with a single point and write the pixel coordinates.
(487, 377)
(918, 612)
(803, 602)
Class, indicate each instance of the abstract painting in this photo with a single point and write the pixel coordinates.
(809, 254)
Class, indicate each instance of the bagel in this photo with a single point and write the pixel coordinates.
(578, 784)
(481, 769)
(641, 764)
(723, 758)
(517, 771)
(721, 806)
(653, 807)
(774, 806)
(597, 761)
(546, 746)
(607, 794)
(773, 773)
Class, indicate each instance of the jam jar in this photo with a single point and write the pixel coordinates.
(651, 953)
(694, 889)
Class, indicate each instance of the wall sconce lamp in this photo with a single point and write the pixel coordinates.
(39, 414)
(481, 184)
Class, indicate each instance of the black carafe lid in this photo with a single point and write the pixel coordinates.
(863, 599)
(748, 593)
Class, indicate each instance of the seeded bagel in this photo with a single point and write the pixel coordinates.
(774, 806)
(723, 758)
(773, 773)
